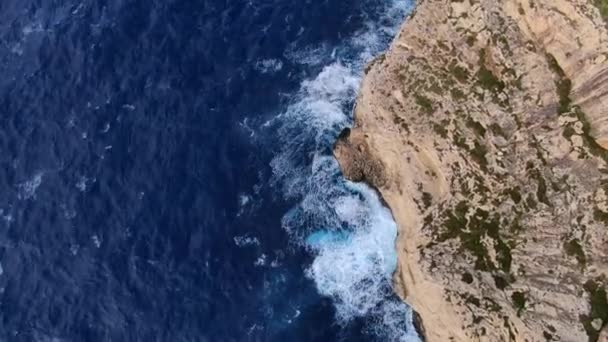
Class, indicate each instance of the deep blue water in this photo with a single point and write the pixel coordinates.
(166, 174)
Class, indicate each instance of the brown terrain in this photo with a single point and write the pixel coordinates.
(484, 128)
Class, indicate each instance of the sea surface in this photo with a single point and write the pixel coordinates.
(166, 172)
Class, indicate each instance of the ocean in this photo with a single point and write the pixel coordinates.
(166, 172)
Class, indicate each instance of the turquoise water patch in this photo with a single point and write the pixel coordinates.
(323, 238)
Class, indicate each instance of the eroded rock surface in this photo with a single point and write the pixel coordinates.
(482, 127)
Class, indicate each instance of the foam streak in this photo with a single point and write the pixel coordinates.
(342, 223)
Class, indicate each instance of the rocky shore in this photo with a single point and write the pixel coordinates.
(485, 127)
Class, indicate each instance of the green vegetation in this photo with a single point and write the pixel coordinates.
(531, 202)
(497, 130)
(467, 277)
(476, 126)
(472, 230)
(563, 84)
(486, 78)
(503, 255)
(471, 40)
(503, 40)
(515, 194)
(599, 308)
(424, 103)
(470, 299)
(541, 189)
(427, 199)
(568, 132)
(516, 226)
(589, 141)
(460, 74)
(456, 221)
(564, 87)
(519, 301)
(457, 94)
(574, 248)
(440, 129)
(399, 121)
(435, 87)
(603, 7)
(488, 81)
(600, 216)
(442, 46)
(521, 10)
(491, 305)
(500, 282)
(479, 155)
(518, 82)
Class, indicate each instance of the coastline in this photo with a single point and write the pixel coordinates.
(441, 116)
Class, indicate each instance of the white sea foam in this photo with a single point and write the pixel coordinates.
(269, 65)
(6, 216)
(342, 223)
(27, 189)
(68, 212)
(81, 184)
(74, 249)
(261, 260)
(356, 272)
(246, 240)
(309, 55)
(96, 241)
(244, 199)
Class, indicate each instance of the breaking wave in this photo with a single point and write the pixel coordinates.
(343, 224)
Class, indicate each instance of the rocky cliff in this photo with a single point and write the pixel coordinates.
(484, 128)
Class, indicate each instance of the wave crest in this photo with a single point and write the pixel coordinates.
(351, 235)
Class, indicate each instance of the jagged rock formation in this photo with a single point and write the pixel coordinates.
(482, 127)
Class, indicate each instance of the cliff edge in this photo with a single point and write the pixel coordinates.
(485, 129)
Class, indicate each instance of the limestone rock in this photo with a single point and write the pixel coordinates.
(482, 127)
